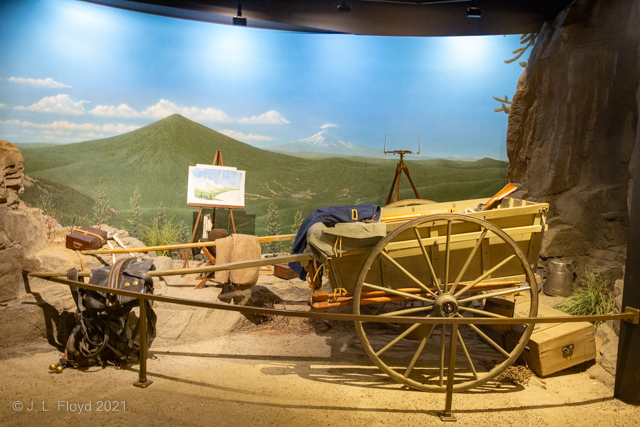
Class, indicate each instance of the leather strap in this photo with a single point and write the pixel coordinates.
(91, 233)
(115, 275)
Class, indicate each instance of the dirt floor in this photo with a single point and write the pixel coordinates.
(293, 373)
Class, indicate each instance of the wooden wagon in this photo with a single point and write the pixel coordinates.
(441, 260)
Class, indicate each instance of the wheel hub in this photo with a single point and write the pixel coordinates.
(446, 305)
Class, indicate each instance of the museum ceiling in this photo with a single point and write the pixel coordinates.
(367, 17)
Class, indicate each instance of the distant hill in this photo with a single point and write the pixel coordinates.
(325, 142)
(156, 158)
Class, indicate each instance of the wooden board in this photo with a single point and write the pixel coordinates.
(283, 271)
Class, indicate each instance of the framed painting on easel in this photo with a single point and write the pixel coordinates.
(215, 186)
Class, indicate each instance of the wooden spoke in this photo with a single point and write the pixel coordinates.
(426, 257)
(484, 276)
(494, 294)
(447, 252)
(466, 353)
(442, 343)
(487, 339)
(397, 292)
(404, 270)
(482, 312)
(398, 338)
(466, 264)
(406, 311)
(417, 355)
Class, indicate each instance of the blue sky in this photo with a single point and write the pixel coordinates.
(74, 71)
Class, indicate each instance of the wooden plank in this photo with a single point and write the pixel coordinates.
(486, 259)
(263, 239)
(516, 233)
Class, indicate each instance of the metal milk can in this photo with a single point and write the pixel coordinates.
(559, 280)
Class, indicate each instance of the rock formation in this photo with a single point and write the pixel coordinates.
(573, 127)
(21, 235)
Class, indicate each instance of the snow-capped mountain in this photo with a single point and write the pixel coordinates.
(327, 143)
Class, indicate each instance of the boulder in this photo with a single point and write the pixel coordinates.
(573, 128)
(11, 174)
(608, 354)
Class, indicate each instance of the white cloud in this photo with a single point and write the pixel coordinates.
(64, 131)
(161, 110)
(270, 117)
(56, 104)
(208, 115)
(48, 82)
(64, 127)
(242, 137)
(10, 122)
(122, 110)
(328, 125)
(3, 105)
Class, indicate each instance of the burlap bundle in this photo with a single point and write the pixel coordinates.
(235, 248)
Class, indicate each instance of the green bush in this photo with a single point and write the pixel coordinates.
(592, 297)
(164, 232)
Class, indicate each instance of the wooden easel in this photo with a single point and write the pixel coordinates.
(217, 161)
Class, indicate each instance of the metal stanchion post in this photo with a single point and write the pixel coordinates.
(447, 415)
(142, 355)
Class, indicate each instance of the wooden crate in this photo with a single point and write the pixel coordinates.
(283, 271)
(554, 346)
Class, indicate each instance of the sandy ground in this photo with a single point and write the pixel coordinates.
(281, 374)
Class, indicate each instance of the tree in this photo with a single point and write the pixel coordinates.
(101, 209)
(273, 227)
(161, 215)
(297, 222)
(45, 202)
(136, 214)
(527, 40)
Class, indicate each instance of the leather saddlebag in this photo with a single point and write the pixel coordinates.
(85, 238)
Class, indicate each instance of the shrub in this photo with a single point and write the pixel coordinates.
(593, 296)
(164, 232)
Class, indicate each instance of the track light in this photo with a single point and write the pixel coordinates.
(473, 11)
(239, 20)
(344, 7)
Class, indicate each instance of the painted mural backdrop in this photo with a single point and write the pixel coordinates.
(111, 107)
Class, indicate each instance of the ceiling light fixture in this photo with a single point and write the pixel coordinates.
(239, 20)
(473, 11)
(344, 7)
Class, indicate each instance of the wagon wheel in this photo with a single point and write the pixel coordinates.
(422, 363)
(409, 202)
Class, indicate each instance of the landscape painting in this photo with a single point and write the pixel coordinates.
(111, 107)
(215, 186)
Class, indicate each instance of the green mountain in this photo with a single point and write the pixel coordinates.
(156, 160)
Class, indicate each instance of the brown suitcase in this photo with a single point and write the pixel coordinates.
(85, 238)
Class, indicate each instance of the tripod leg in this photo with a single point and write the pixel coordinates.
(406, 171)
(393, 184)
(399, 175)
